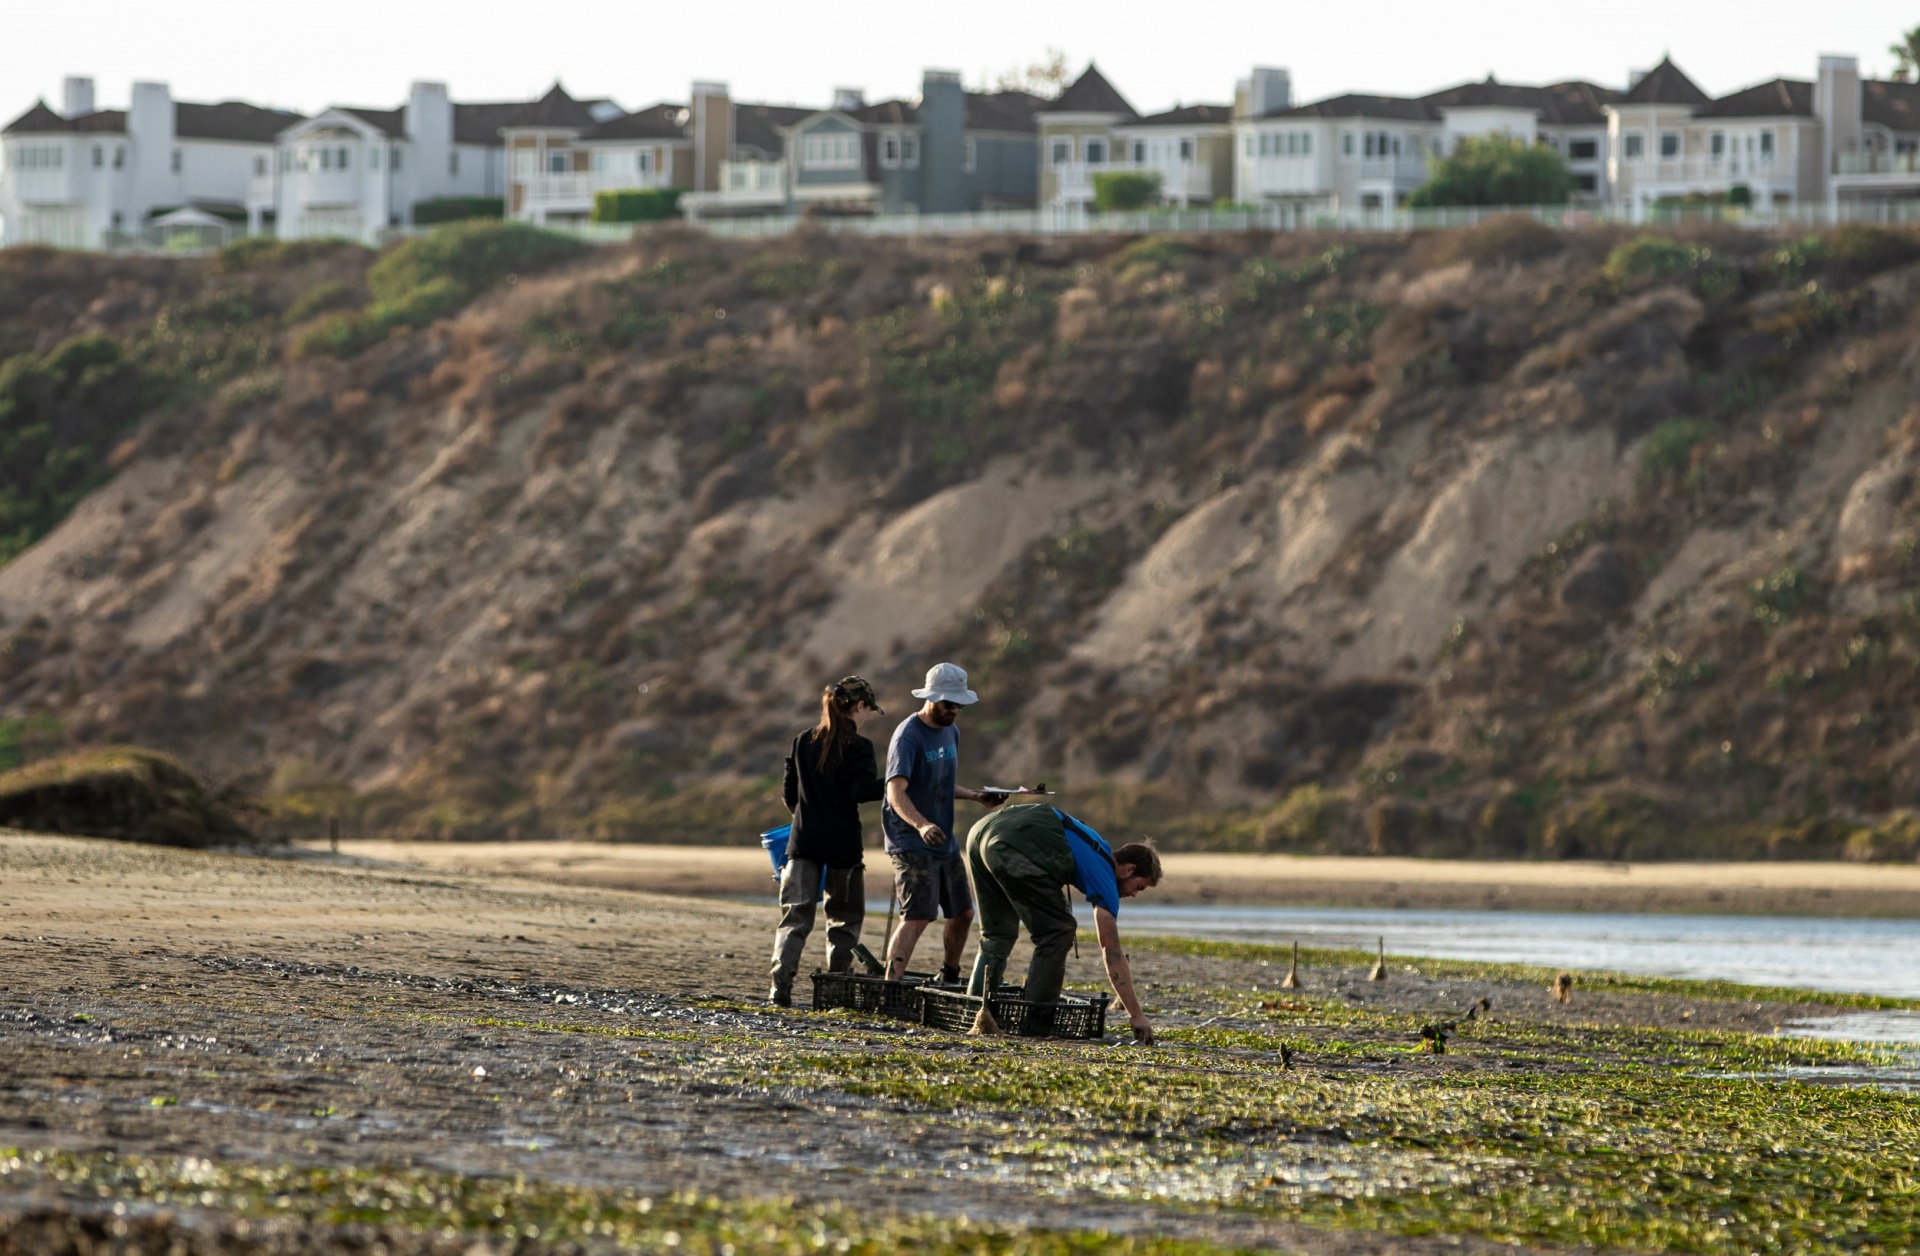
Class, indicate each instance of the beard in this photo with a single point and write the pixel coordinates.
(942, 718)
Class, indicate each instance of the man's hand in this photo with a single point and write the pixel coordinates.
(932, 835)
(1142, 1031)
(991, 798)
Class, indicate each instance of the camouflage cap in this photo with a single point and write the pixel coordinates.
(856, 690)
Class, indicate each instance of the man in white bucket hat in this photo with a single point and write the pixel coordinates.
(923, 769)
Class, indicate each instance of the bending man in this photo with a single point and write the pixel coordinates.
(1022, 857)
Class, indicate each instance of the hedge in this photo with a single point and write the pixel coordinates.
(636, 205)
(457, 208)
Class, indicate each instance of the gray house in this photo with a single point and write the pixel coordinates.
(952, 151)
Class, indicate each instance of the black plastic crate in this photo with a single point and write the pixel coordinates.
(862, 993)
(1074, 1016)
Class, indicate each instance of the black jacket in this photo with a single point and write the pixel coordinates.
(826, 804)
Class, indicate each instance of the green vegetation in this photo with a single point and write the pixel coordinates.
(636, 205)
(1772, 600)
(1669, 451)
(1119, 191)
(60, 414)
(1495, 170)
(26, 740)
(445, 209)
(428, 277)
(533, 1216)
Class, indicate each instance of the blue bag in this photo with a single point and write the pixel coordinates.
(775, 841)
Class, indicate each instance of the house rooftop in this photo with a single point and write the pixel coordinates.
(480, 123)
(1781, 98)
(663, 121)
(1356, 105)
(388, 121)
(228, 120)
(1895, 106)
(1003, 111)
(1188, 115)
(554, 111)
(756, 128)
(1090, 93)
(1562, 104)
(1664, 84)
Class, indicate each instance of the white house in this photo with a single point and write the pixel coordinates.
(1349, 152)
(1190, 148)
(84, 177)
(1371, 152)
(356, 172)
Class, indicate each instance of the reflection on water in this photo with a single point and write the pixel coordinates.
(1894, 1027)
(1854, 956)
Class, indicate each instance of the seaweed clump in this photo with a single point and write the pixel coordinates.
(120, 792)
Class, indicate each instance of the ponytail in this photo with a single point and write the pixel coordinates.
(835, 728)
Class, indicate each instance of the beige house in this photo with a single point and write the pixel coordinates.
(1189, 148)
(1080, 138)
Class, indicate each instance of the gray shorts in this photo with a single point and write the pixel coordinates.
(928, 884)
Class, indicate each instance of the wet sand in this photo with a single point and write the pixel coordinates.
(334, 1011)
(1780, 889)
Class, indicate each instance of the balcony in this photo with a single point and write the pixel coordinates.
(1876, 163)
(1731, 168)
(580, 189)
(1410, 171)
(753, 180)
(1285, 176)
(44, 187)
(1179, 180)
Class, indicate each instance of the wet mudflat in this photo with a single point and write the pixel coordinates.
(209, 1052)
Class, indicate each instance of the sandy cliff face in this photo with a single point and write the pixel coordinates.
(1501, 542)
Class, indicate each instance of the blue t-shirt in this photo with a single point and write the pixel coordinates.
(1093, 873)
(930, 760)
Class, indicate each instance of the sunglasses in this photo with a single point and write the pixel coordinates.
(946, 706)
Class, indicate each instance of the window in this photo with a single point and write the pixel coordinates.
(1139, 152)
(910, 151)
(889, 151)
(970, 160)
(1186, 150)
(1096, 152)
(525, 163)
(177, 155)
(340, 158)
(326, 159)
(643, 161)
(1669, 143)
(1346, 143)
(119, 156)
(1250, 144)
(1717, 144)
(99, 156)
(1588, 182)
(1766, 145)
(1633, 144)
(835, 151)
(1582, 150)
(373, 158)
(259, 166)
(1293, 144)
(1062, 152)
(393, 159)
(453, 163)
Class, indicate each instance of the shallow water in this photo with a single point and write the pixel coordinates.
(1853, 956)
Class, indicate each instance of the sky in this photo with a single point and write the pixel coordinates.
(365, 52)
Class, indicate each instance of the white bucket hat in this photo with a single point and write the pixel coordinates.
(947, 683)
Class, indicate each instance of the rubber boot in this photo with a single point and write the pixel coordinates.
(781, 995)
(949, 974)
(986, 976)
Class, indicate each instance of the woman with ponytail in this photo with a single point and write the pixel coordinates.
(830, 771)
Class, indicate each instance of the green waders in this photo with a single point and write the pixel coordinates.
(1021, 864)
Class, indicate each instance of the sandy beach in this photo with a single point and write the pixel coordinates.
(1788, 889)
